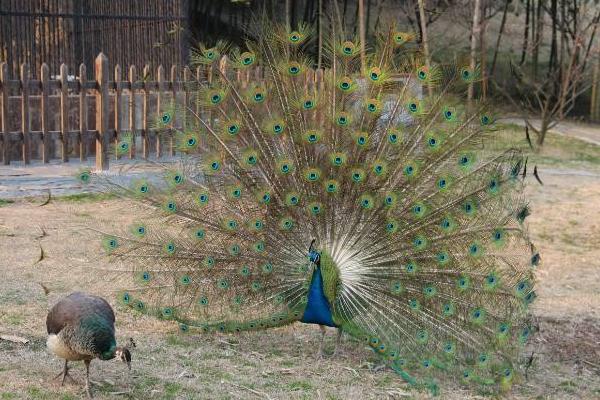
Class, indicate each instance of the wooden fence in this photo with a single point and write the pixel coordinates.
(67, 115)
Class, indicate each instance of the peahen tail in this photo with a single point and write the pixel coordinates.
(417, 221)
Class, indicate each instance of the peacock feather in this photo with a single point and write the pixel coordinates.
(340, 197)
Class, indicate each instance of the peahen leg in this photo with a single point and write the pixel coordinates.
(338, 340)
(320, 352)
(65, 374)
(87, 378)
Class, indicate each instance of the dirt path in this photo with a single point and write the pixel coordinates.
(277, 364)
(18, 181)
(588, 133)
(280, 363)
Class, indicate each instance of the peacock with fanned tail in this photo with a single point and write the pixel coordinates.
(340, 198)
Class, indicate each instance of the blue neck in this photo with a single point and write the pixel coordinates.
(317, 309)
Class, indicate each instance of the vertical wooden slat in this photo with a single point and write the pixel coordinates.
(26, 136)
(174, 100)
(321, 79)
(45, 75)
(101, 73)
(146, 98)
(118, 108)
(160, 77)
(4, 113)
(320, 87)
(64, 112)
(132, 125)
(198, 81)
(83, 113)
(186, 95)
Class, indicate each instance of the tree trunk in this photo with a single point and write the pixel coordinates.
(525, 33)
(497, 47)
(344, 12)
(563, 36)
(379, 7)
(424, 41)
(476, 28)
(539, 22)
(340, 18)
(483, 55)
(553, 44)
(595, 98)
(293, 16)
(368, 23)
(362, 34)
(320, 28)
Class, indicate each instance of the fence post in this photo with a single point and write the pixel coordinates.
(118, 106)
(26, 144)
(64, 112)
(160, 78)
(145, 134)
(45, 75)
(174, 95)
(186, 95)
(4, 114)
(198, 80)
(132, 116)
(102, 112)
(83, 113)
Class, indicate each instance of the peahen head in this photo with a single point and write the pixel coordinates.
(123, 353)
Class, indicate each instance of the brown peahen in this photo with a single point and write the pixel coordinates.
(81, 327)
(347, 201)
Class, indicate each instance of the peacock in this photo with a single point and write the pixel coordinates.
(343, 197)
(81, 327)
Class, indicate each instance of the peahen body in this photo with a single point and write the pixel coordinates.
(337, 198)
(80, 328)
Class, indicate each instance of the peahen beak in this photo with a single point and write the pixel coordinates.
(124, 355)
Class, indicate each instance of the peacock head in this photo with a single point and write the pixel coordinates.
(313, 255)
(123, 353)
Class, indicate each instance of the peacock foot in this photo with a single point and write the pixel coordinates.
(65, 374)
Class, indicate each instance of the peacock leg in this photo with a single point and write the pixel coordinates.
(320, 352)
(65, 374)
(87, 378)
(338, 340)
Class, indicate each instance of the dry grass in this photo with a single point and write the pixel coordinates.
(280, 363)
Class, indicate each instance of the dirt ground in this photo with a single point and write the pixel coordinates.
(280, 363)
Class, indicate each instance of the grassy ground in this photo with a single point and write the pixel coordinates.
(280, 363)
